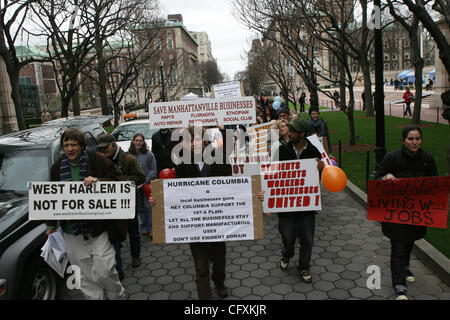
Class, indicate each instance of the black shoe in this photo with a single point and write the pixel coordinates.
(306, 276)
(284, 263)
(222, 291)
(136, 262)
(121, 275)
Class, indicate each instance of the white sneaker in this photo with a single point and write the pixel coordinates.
(401, 297)
(284, 262)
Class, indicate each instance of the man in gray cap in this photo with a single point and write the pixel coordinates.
(129, 167)
(300, 224)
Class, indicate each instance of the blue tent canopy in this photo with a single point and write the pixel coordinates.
(432, 74)
(404, 73)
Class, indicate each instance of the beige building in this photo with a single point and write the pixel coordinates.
(204, 51)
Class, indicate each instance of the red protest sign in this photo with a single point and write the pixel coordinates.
(415, 201)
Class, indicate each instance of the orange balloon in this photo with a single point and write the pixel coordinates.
(333, 178)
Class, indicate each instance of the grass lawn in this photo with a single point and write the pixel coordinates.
(354, 161)
(109, 129)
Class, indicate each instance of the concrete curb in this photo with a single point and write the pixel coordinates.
(429, 255)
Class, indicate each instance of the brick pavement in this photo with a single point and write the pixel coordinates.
(345, 245)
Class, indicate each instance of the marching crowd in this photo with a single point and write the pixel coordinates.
(95, 245)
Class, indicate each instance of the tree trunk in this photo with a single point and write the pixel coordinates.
(418, 71)
(368, 91)
(116, 114)
(65, 102)
(17, 99)
(76, 103)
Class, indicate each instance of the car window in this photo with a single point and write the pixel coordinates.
(90, 140)
(126, 133)
(17, 168)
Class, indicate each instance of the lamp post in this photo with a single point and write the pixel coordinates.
(161, 66)
(380, 149)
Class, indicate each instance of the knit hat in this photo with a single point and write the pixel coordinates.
(284, 109)
(300, 125)
(104, 140)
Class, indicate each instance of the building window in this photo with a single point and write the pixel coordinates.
(171, 59)
(169, 43)
(386, 66)
(394, 66)
(173, 77)
(147, 77)
(394, 57)
(386, 57)
(157, 44)
(406, 64)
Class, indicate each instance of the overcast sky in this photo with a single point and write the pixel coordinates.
(229, 39)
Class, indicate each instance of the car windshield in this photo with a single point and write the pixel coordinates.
(127, 132)
(19, 167)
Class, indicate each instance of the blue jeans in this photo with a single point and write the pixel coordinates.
(297, 225)
(135, 243)
(144, 210)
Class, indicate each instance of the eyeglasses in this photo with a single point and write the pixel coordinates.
(412, 138)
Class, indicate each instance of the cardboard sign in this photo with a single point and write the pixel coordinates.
(203, 112)
(206, 210)
(74, 201)
(228, 90)
(291, 186)
(414, 201)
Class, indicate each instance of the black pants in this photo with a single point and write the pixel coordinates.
(400, 256)
(202, 252)
(408, 108)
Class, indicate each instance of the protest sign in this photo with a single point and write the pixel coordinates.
(415, 201)
(227, 90)
(206, 209)
(318, 143)
(204, 112)
(74, 201)
(291, 186)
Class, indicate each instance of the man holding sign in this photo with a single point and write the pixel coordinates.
(87, 241)
(299, 224)
(406, 162)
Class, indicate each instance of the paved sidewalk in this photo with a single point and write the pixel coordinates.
(345, 245)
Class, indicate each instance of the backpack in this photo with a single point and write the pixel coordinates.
(117, 229)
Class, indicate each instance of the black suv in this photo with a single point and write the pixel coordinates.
(27, 156)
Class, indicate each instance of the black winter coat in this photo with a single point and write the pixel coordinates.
(402, 164)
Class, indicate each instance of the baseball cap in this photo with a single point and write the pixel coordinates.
(300, 125)
(104, 140)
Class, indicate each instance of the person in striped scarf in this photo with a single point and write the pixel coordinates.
(87, 241)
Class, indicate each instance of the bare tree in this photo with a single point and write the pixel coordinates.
(13, 15)
(68, 47)
(210, 74)
(424, 10)
(411, 24)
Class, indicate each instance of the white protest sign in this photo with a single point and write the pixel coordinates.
(205, 112)
(208, 209)
(74, 201)
(227, 89)
(291, 186)
(318, 143)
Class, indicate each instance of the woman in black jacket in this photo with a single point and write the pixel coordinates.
(409, 161)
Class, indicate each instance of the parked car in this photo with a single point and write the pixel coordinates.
(125, 132)
(27, 156)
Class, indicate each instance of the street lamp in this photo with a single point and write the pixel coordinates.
(161, 65)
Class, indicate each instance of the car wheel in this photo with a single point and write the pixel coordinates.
(40, 282)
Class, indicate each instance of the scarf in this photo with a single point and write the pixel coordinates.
(76, 226)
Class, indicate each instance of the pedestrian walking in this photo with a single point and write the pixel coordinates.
(336, 99)
(87, 241)
(130, 171)
(45, 116)
(301, 224)
(302, 101)
(147, 163)
(408, 97)
(406, 162)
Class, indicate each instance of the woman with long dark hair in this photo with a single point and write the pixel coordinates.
(406, 162)
(147, 162)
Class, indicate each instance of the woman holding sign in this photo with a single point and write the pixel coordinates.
(406, 162)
